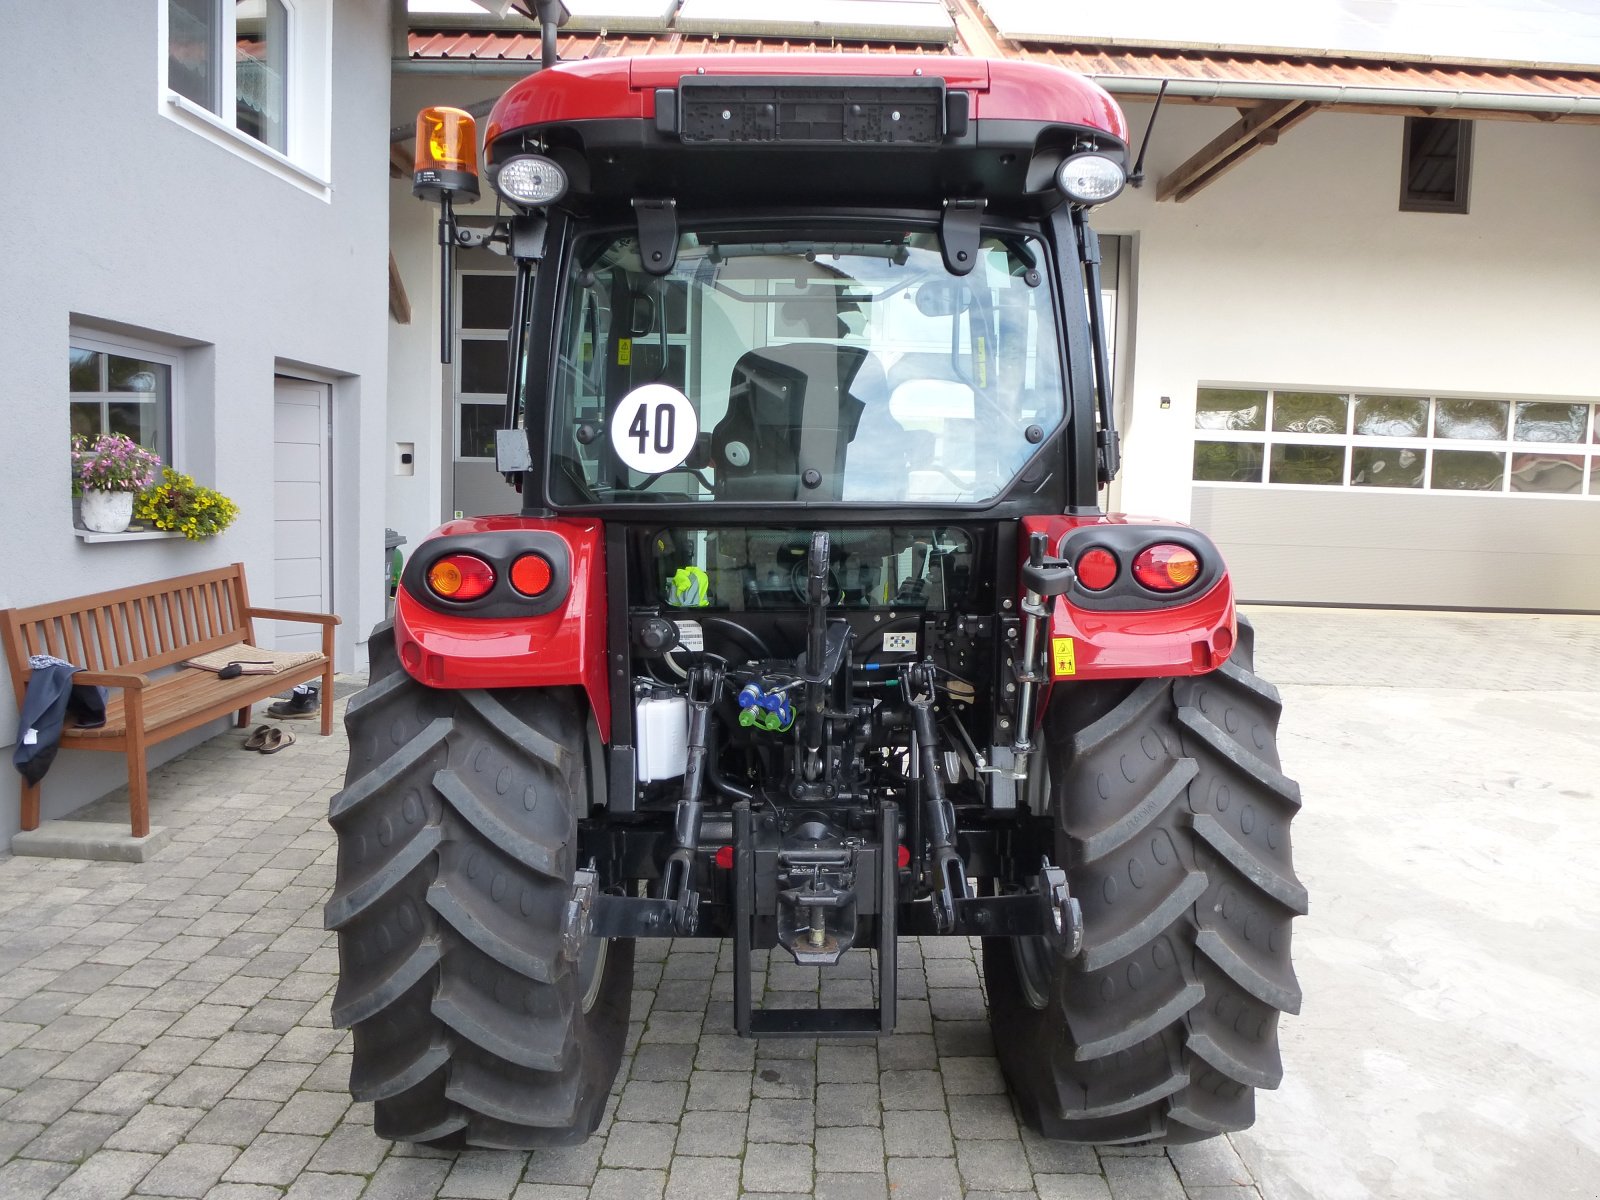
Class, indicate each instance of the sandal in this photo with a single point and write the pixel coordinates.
(257, 738)
(277, 739)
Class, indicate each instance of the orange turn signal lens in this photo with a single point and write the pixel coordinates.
(460, 577)
(531, 574)
(1166, 567)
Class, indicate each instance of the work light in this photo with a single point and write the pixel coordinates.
(1090, 178)
(530, 180)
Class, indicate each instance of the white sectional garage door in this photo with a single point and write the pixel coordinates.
(300, 508)
(1318, 496)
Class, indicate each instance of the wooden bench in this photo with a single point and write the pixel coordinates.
(130, 639)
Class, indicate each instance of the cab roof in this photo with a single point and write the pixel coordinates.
(626, 87)
(639, 126)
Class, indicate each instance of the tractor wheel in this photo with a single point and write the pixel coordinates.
(475, 1024)
(1172, 820)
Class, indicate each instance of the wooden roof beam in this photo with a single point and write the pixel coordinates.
(1261, 126)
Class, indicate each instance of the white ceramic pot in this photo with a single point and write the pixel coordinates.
(107, 512)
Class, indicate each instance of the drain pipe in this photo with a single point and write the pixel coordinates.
(1319, 93)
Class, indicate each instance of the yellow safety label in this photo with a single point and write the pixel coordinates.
(624, 351)
(981, 357)
(1063, 658)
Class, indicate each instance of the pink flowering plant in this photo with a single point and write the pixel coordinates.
(112, 463)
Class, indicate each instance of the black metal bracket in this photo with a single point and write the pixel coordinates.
(1108, 444)
(658, 234)
(631, 916)
(960, 231)
(751, 1021)
(1048, 911)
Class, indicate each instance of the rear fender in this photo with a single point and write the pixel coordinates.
(1127, 631)
(505, 640)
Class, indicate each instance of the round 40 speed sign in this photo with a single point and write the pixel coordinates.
(654, 428)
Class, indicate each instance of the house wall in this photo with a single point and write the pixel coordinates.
(420, 409)
(136, 222)
(1297, 269)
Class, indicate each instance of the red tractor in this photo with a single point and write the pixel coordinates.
(811, 632)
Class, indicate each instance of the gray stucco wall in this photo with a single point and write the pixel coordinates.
(131, 220)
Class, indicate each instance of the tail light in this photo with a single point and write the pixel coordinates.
(460, 577)
(1096, 569)
(531, 574)
(1166, 567)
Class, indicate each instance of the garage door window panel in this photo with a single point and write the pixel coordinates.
(1306, 438)
(1322, 466)
(1391, 416)
(1471, 420)
(1228, 462)
(1388, 466)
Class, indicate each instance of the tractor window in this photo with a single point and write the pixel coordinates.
(765, 371)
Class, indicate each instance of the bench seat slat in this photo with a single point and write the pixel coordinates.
(188, 691)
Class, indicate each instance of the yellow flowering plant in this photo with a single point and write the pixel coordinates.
(178, 504)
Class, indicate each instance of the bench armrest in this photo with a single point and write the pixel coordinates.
(290, 614)
(128, 683)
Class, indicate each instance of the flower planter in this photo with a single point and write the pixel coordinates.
(107, 512)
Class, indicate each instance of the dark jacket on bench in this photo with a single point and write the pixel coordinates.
(50, 698)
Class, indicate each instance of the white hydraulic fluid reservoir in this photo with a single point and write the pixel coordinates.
(661, 724)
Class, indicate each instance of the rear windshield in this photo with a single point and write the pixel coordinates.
(777, 370)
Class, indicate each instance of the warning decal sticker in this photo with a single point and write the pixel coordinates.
(1063, 658)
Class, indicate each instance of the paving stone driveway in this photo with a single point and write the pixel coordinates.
(164, 1031)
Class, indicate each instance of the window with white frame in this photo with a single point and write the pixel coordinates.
(1313, 438)
(255, 69)
(483, 317)
(118, 386)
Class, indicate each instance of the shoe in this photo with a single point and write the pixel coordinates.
(277, 739)
(257, 738)
(305, 702)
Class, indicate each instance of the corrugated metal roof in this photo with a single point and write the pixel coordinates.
(1107, 65)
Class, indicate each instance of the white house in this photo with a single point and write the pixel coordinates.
(1355, 301)
(198, 258)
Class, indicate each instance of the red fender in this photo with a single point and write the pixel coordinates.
(1169, 637)
(563, 647)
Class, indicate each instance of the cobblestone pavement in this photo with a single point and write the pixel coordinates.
(164, 1031)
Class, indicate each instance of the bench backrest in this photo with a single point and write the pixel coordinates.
(133, 629)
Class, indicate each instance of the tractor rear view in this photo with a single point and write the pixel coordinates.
(811, 633)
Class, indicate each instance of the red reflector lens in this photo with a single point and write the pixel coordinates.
(460, 577)
(1097, 569)
(902, 858)
(1165, 567)
(723, 857)
(531, 574)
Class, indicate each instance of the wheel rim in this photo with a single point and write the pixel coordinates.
(592, 970)
(1034, 969)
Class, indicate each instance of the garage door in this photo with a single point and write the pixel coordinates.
(301, 516)
(1319, 496)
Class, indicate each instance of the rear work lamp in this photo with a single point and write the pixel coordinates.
(1090, 179)
(530, 180)
(446, 163)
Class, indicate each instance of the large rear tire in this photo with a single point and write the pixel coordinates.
(1172, 818)
(457, 832)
